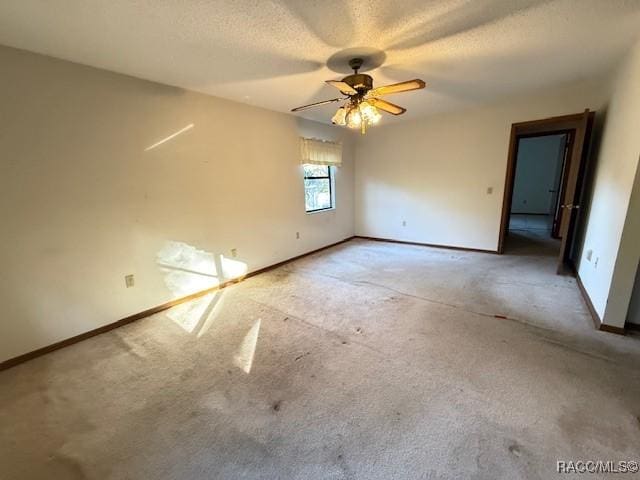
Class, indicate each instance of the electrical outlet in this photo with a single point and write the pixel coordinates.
(234, 252)
(404, 223)
(129, 280)
(489, 190)
(589, 255)
(298, 235)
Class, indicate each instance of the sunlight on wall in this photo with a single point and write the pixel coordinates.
(243, 359)
(166, 139)
(232, 269)
(188, 270)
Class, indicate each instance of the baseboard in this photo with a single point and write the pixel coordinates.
(587, 300)
(632, 326)
(151, 311)
(446, 247)
(597, 321)
(611, 329)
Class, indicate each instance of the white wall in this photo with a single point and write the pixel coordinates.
(536, 174)
(433, 173)
(84, 203)
(613, 229)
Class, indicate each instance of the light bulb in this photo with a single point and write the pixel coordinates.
(339, 117)
(370, 113)
(366, 108)
(354, 119)
(375, 115)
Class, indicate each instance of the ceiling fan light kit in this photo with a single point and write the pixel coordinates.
(362, 104)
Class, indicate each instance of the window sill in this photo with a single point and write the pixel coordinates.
(313, 212)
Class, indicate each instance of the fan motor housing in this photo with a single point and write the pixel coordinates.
(359, 81)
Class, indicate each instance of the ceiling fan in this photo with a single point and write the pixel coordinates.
(362, 102)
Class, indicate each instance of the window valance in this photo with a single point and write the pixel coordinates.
(320, 152)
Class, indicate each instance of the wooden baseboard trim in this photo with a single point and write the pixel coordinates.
(12, 362)
(587, 300)
(611, 329)
(431, 245)
(289, 260)
(597, 321)
(632, 326)
(105, 328)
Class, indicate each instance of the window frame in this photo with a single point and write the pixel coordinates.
(330, 177)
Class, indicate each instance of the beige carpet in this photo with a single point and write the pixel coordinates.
(366, 361)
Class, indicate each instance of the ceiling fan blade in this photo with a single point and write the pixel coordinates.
(317, 104)
(407, 86)
(387, 106)
(343, 87)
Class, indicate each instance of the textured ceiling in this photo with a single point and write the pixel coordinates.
(274, 53)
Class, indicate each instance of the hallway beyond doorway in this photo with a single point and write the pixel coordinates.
(537, 223)
(531, 235)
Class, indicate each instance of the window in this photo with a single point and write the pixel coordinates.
(318, 187)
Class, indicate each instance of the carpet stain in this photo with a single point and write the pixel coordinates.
(344, 466)
(514, 448)
(276, 406)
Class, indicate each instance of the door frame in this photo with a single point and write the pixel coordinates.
(537, 128)
(564, 172)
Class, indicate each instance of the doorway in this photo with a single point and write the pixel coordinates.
(535, 216)
(547, 154)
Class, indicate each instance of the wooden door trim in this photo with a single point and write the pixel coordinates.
(533, 128)
(564, 176)
(548, 125)
(574, 171)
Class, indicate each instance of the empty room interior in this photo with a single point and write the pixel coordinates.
(290, 239)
